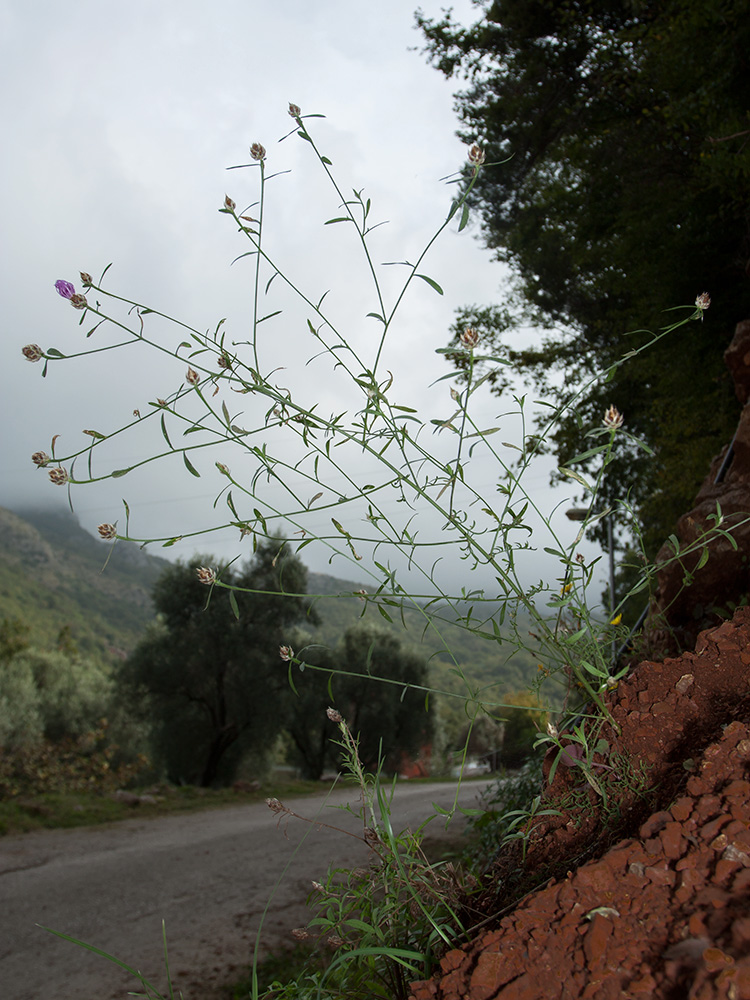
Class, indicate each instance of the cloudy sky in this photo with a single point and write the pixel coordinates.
(119, 123)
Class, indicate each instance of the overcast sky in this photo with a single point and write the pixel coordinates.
(119, 123)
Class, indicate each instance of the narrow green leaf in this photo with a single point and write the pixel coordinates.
(119, 473)
(572, 474)
(189, 466)
(233, 603)
(164, 432)
(464, 217)
(588, 454)
(431, 282)
(384, 613)
(52, 352)
(268, 316)
(343, 218)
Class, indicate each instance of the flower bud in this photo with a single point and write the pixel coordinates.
(613, 418)
(192, 376)
(58, 476)
(294, 111)
(107, 531)
(334, 716)
(40, 458)
(33, 352)
(78, 301)
(65, 289)
(257, 151)
(228, 203)
(206, 575)
(469, 338)
(703, 301)
(86, 278)
(476, 156)
(286, 653)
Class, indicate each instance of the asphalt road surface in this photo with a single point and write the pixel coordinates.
(208, 875)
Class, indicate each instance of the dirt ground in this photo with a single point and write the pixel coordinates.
(649, 897)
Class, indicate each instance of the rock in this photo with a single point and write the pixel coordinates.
(663, 912)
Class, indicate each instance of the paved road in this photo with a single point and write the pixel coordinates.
(209, 875)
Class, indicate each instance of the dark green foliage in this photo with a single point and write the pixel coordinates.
(390, 720)
(626, 192)
(213, 684)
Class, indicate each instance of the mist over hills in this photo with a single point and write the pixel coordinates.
(54, 574)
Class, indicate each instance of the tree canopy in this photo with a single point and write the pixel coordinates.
(620, 136)
(209, 672)
(357, 677)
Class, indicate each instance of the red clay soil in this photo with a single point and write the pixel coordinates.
(650, 896)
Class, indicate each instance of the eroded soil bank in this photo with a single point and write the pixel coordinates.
(650, 896)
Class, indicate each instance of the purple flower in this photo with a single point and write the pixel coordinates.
(65, 289)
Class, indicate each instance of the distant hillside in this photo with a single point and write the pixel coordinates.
(52, 575)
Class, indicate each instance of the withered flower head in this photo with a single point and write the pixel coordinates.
(333, 715)
(228, 203)
(40, 458)
(294, 110)
(257, 151)
(224, 361)
(86, 278)
(58, 476)
(469, 338)
(286, 653)
(703, 301)
(206, 575)
(107, 531)
(78, 301)
(300, 933)
(33, 352)
(192, 376)
(613, 418)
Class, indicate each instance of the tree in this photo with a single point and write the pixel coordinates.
(210, 674)
(389, 720)
(624, 190)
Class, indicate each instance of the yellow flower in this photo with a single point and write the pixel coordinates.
(616, 620)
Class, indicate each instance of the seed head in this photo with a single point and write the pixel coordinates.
(257, 151)
(286, 653)
(317, 886)
(78, 301)
(613, 418)
(300, 933)
(228, 203)
(334, 940)
(334, 716)
(275, 806)
(469, 338)
(206, 575)
(86, 279)
(33, 352)
(294, 111)
(65, 289)
(192, 376)
(224, 361)
(58, 476)
(107, 531)
(40, 458)
(476, 156)
(703, 301)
